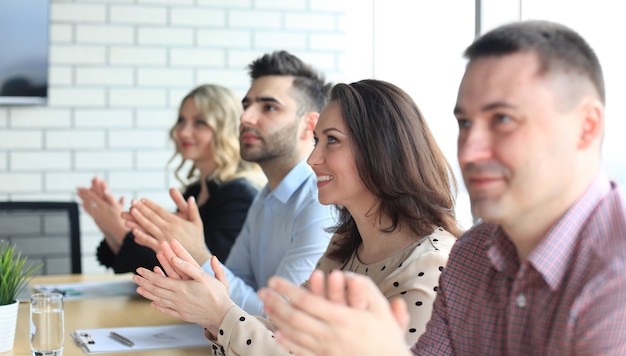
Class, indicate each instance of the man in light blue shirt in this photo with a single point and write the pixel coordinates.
(283, 235)
(285, 230)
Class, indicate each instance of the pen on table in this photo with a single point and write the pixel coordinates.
(121, 339)
(66, 292)
(57, 290)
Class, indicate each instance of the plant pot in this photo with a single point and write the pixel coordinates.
(8, 323)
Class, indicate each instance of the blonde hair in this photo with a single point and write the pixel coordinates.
(221, 109)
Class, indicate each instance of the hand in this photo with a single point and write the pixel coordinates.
(106, 212)
(197, 297)
(170, 251)
(348, 316)
(152, 224)
(173, 249)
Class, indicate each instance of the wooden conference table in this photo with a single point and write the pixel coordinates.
(90, 313)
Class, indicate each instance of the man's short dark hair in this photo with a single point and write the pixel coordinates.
(311, 87)
(558, 49)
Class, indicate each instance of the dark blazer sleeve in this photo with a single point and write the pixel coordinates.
(130, 257)
(225, 213)
(222, 215)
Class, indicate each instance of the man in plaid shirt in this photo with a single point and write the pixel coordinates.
(544, 272)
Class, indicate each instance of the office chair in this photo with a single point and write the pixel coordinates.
(46, 232)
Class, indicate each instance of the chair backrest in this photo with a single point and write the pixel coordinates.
(44, 231)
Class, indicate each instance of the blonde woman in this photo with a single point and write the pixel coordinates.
(206, 134)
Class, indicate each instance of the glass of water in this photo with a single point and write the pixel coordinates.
(46, 324)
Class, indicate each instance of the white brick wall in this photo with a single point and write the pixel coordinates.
(60, 33)
(103, 118)
(257, 20)
(327, 41)
(165, 36)
(65, 182)
(165, 2)
(147, 179)
(137, 97)
(105, 34)
(40, 117)
(62, 12)
(159, 118)
(154, 159)
(136, 15)
(103, 160)
(224, 38)
(138, 56)
(3, 161)
(266, 39)
(61, 76)
(281, 4)
(18, 139)
(197, 17)
(334, 5)
(3, 117)
(224, 3)
(308, 22)
(76, 97)
(104, 76)
(145, 138)
(235, 78)
(37, 161)
(169, 78)
(20, 182)
(118, 70)
(197, 57)
(174, 97)
(73, 54)
(75, 139)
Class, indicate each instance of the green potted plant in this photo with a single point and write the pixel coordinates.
(14, 276)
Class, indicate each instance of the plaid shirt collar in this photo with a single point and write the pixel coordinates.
(553, 255)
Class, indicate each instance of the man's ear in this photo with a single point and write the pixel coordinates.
(310, 120)
(591, 129)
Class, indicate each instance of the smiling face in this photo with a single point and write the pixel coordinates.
(270, 124)
(192, 134)
(332, 160)
(517, 143)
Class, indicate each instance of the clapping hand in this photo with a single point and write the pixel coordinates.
(347, 316)
(152, 224)
(173, 251)
(187, 292)
(106, 212)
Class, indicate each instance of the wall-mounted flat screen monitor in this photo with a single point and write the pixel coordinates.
(24, 41)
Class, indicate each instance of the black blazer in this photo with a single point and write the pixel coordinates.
(222, 215)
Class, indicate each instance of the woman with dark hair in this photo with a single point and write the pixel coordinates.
(376, 159)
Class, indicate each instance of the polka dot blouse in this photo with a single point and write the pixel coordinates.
(411, 274)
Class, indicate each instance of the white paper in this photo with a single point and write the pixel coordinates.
(144, 338)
